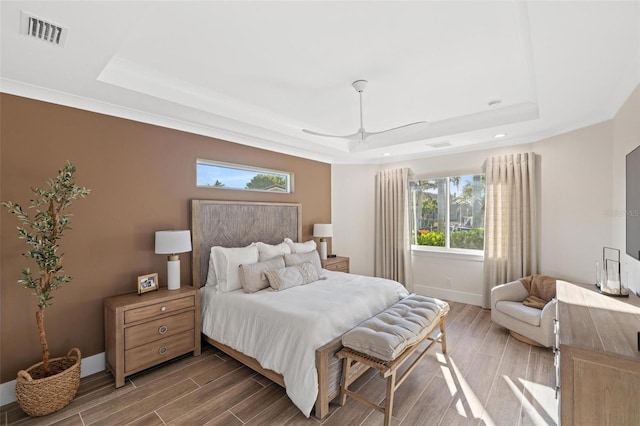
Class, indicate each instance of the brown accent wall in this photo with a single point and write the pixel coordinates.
(141, 179)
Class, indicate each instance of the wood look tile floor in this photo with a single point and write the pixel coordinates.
(486, 378)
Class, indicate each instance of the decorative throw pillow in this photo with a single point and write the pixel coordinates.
(252, 277)
(227, 263)
(268, 251)
(298, 258)
(305, 247)
(291, 276)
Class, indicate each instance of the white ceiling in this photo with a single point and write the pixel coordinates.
(257, 73)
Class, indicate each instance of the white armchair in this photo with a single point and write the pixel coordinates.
(530, 325)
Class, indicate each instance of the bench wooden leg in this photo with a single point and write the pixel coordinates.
(443, 337)
(388, 405)
(344, 385)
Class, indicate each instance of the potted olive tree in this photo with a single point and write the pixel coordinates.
(51, 384)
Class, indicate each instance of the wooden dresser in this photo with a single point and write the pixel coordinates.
(338, 263)
(144, 330)
(597, 357)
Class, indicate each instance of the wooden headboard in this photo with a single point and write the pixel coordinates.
(238, 224)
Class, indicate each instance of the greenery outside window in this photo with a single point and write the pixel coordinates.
(213, 174)
(448, 212)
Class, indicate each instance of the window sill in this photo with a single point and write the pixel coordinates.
(440, 252)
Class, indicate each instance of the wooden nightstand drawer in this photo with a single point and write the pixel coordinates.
(338, 263)
(152, 311)
(340, 267)
(144, 356)
(153, 330)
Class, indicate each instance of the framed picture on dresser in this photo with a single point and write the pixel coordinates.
(147, 283)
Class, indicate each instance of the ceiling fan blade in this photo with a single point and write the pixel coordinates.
(311, 132)
(418, 126)
(402, 134)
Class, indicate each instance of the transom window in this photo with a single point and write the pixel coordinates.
(213, 174)
(448, 212)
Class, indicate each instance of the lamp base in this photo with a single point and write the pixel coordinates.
(173, 273)
(323, 248)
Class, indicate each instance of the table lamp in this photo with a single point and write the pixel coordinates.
(323, 231)
(172, 243)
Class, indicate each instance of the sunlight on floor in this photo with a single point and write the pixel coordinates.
(467, 401)
(545, 398)
(537, 401)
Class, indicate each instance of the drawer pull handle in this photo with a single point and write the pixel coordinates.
(163, 329)
(164, 308)
(162, 350)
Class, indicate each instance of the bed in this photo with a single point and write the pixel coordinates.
(254, 328)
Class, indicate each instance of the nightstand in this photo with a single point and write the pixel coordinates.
(338, 263)
(144, 330)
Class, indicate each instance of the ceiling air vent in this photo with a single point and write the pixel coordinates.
(43, 30)
(439, 144)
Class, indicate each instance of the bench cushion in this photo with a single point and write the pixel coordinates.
(388, 334)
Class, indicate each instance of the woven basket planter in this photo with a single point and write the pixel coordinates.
(39, 397)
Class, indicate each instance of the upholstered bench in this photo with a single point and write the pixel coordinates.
(387, 340)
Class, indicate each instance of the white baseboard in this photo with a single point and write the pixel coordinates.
(91, 365)
(447, 294)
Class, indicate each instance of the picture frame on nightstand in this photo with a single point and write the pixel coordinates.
(147, 283)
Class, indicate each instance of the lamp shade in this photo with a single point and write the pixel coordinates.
(323, 230)
(172, 242)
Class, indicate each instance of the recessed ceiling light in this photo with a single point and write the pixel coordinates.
(386, 154)
(495, 102)
(500, 135)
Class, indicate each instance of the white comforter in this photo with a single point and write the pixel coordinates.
(283, 329)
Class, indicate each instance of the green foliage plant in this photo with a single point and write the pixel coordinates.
(262, 181)
(469, 239)
(430, 238)
(41, 231)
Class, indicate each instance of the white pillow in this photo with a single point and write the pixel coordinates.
(227, 263)
(306, 247)
(298, 258)
(212, 281)
(292, 276)
(268, 251)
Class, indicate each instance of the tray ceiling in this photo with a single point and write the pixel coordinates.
(257, 73)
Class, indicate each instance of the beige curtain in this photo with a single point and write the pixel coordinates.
(511, 242)
(392, 248)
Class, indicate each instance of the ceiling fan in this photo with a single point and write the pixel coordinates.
(361, 135)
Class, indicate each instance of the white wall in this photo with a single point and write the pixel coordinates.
(577, 170)
(575, 193)
(447, 277)
(626, 137)
(352, 201)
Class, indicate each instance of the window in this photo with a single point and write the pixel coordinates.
(212, 174)
(448, 212)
